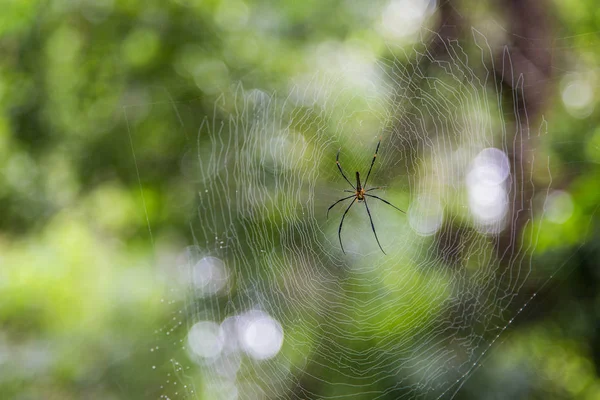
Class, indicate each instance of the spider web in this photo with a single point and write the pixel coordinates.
(268, 306)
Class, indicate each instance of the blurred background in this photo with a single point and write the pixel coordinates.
(110, 142)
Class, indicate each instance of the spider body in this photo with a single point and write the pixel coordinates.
(360, 194)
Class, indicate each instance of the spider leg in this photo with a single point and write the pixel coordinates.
(331, 206)
(337, 161)
(350, 191)
(372, 162)
(375, 188)
(385, 201)
(373, 226)
(341, 222)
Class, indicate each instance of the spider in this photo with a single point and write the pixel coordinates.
(359, 195)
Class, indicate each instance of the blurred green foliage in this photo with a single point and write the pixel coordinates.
(80, 297)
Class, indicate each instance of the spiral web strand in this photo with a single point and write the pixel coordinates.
(274, 309)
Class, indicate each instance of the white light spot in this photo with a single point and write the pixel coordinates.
(488, 203)
(229, 334)
(260, 336)
(488, 199)
(353, 63)
(204, 340)
(559, 207)
(490, 167)
(285, 151)
(425, 215)
(578, 97)
(402, 18)
(209, 275)
(227, 365)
